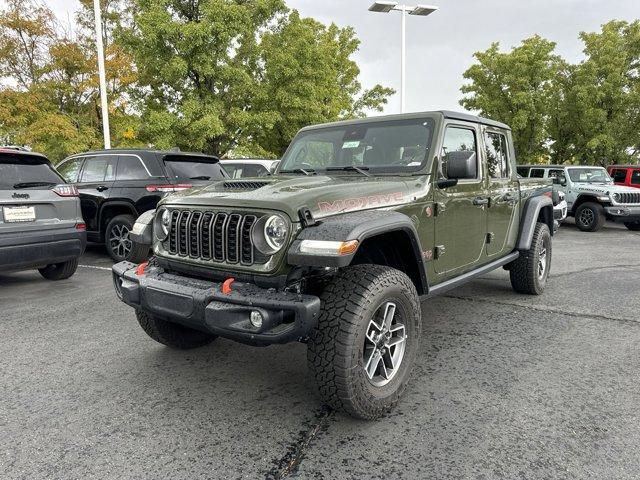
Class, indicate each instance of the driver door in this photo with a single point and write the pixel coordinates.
(461, 221)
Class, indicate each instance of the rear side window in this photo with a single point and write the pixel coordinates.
(24, 171)
(523, 171)
(69, 169)
(536, 173)
(130, 168)
(496, 149)
(619, 175)
(184, 168)
(635, 177)
(98, 169)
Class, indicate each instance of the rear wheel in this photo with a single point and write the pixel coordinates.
(171, 334)
(633, 226)
(590, 217)
(59, 271)
(116, 237)
(362, 351)
(530, 271)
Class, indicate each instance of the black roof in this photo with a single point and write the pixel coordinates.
(23, 153)
(137, 151)
(466, 117)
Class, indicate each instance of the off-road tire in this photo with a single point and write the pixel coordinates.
(598, 215)
(59, 271)
(171, 334)
(336, 346)
(524, 271)
(139, 253)
(126, 220)
(633, 226)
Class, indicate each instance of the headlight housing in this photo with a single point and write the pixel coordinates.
(270, 234)
(162, 224)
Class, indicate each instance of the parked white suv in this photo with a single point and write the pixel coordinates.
(591, 195)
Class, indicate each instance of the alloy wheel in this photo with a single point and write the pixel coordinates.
(119, 240)
(384, 345)
(587, 216)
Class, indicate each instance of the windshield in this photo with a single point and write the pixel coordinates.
(589, 175)
(22, 171)
(193, 168)
(391, 146)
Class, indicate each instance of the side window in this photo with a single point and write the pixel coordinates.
(635, 177)
(555, 173)
(69, 169)
(619, 175)
(523, 171)
(130, 168)
(458, 143)
(536, 173)
(95, 168)
(497, 155)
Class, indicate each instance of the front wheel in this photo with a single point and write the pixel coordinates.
(530, 271)
(363, 349)
(633, 226)
(590, 217)
(172, 334)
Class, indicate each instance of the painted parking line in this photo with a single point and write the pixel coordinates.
(94, 267)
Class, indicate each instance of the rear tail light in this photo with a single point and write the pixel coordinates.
(82, 227)
(168, 188)
(66, 191)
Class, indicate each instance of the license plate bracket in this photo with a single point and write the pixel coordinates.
(19, 214)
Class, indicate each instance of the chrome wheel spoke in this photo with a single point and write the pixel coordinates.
(389, 313)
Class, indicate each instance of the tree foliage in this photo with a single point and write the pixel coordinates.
(584, 113)
(222, 76)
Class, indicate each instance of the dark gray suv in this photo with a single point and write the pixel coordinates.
(41, 224)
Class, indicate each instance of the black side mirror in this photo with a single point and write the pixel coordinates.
(562, 181)
(461, 165)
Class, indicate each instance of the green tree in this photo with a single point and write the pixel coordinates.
(225, 76)
(516, 88)
(603, 96)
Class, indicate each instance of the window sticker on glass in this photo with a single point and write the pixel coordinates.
(351, 144)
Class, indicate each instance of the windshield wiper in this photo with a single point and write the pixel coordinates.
(33, 184)
(306, 171)
(351, 168)
(201, 177)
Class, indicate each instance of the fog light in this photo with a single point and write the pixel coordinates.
(256, 319)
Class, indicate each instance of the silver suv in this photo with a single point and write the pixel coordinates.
(591, 195)
(41, 225)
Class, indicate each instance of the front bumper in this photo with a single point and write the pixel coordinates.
(25, 250)
(201, 305)
(623, 213)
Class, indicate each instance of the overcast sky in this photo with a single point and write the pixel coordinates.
(441, 46)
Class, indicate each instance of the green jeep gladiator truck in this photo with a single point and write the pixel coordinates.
(362, 221)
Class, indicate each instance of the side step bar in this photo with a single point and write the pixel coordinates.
(447, 285)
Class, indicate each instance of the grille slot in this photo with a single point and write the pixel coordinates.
(214, 236)
(628, 197)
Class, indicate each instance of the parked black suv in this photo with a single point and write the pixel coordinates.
(116, 186)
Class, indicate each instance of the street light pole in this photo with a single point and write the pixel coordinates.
(421, 10)
(101, 73)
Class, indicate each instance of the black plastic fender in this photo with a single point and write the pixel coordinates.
(142, 231)
(529, 218)
(355, 226)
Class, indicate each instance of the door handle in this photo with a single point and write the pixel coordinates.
(102, 188)
(480, 201)
(509, 197)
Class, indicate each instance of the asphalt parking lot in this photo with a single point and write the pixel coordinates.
(505, 386)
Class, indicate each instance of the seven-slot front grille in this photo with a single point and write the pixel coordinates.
(217, 236)
(628, 197)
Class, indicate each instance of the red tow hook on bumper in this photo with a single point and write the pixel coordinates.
(226, 286)
(141, 268)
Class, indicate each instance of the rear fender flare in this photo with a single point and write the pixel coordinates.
(530, 213)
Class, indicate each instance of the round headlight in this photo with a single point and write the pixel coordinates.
(275, 232)
(163, 224)
(616, 197)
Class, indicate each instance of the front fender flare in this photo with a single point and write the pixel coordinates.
(354, 226)
(142, 231)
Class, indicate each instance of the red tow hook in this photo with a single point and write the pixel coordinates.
(226, 286)
(141, 268)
